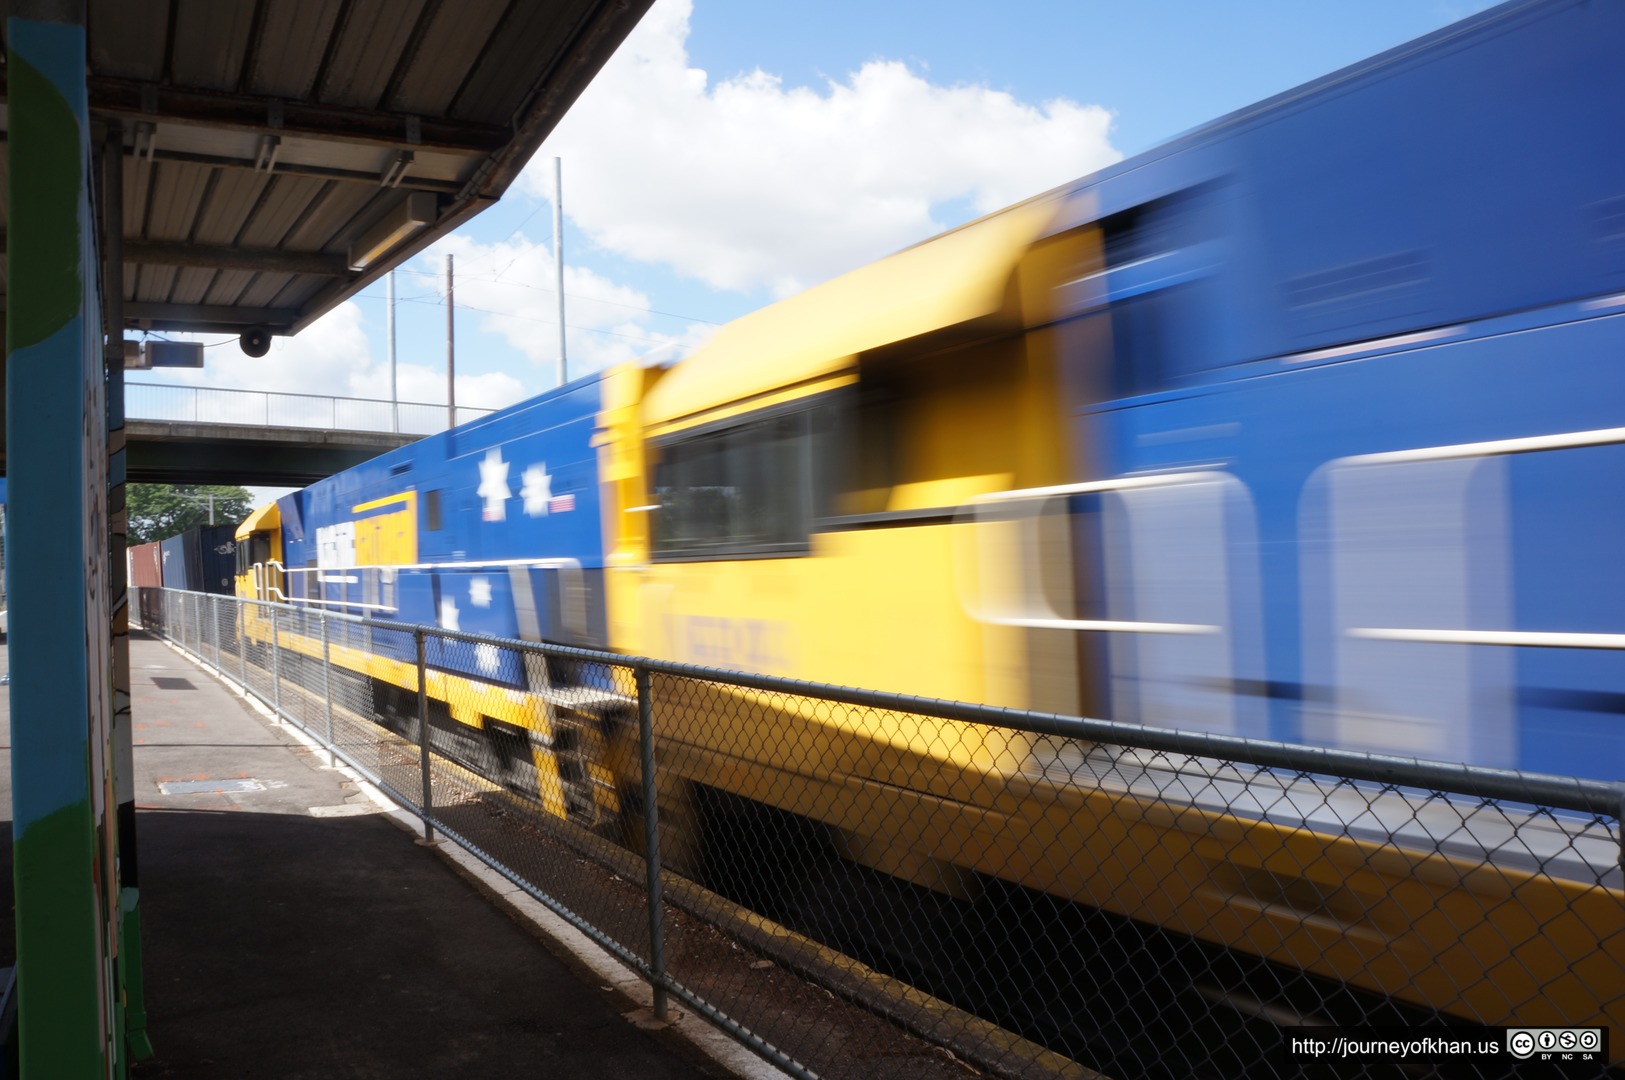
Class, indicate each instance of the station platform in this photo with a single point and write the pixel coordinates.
(295, 928)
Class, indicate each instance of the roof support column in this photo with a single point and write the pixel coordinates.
(67, 889)
(133, 994)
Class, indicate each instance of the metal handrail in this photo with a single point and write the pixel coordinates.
(277, 408)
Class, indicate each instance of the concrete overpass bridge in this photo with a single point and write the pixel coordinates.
(178, 434)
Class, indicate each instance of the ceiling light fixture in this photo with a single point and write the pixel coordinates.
(403, 219)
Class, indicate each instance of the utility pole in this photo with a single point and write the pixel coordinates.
(394, 397)
(558, 256)
(451, 350)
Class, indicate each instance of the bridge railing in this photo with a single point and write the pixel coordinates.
(267, 408)
(1044, 896)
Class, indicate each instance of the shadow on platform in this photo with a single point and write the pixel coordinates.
(292, 930)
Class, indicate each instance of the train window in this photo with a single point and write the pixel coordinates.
(1159, 258)
(1171, 223)
(1147, 346)
(745, 490)
(255, 549)
(431, 510)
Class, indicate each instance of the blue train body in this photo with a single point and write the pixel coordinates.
(1423, 251)
(484, 504)
(1419, 253)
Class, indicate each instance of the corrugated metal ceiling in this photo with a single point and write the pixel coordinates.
(267, 143)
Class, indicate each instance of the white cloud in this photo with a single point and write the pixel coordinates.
(746, 184)
(507, 289)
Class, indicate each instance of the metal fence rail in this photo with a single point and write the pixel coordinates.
(265, 408)
(1041, 894)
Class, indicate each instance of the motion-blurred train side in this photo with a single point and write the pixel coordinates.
(1305, 426)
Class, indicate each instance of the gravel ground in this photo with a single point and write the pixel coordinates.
(820, 1009)
(758, 973)
(747, 979)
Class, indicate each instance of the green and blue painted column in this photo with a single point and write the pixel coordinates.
(65, 838)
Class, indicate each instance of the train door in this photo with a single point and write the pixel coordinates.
(1465, 603)
(1154, 577)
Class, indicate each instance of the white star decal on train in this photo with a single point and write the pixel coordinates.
(448, 614)
(487, 659)
(537, 491)
(479, 592)
(494, 485)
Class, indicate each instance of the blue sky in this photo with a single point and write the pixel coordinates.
(1161, 66)
(735, 151)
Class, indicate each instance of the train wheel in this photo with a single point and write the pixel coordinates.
(397, 711)
(679, 818)
(512, 765)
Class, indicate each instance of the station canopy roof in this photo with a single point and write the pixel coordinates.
(280, 155)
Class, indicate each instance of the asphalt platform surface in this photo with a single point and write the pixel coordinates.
(293, 929)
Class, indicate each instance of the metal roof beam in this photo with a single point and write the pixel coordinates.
(202, 316)
(315, 172)
(235, 258)
(275, 116)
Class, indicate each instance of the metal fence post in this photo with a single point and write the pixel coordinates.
(423, 734)
(651, 842)
(327, 692)
(214, 625)
(1620, 838)
(276, 671)
(243, 608)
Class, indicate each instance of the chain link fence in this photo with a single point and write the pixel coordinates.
(1041, 895)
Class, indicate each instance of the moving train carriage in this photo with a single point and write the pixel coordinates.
(144, 567)
(452, 531)
(1292, 428)
(200, 559)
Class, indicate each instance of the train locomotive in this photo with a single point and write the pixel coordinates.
(1305, 426)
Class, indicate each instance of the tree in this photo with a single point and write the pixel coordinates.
(159, 511)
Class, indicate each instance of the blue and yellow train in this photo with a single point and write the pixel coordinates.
(1308, 425)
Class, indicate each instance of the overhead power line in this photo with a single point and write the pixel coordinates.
(549, 322)
(571, 295)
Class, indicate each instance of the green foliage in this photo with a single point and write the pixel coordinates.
(159, 511)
